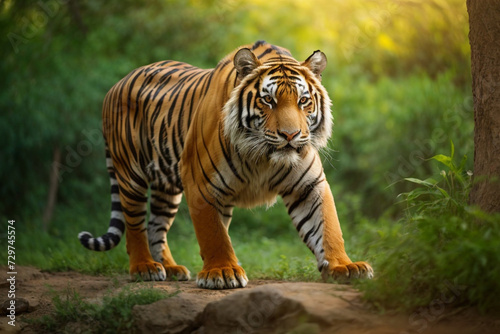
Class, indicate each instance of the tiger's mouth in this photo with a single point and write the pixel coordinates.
(284, 149)
(288, 147)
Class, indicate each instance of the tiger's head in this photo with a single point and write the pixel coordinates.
(278, 108)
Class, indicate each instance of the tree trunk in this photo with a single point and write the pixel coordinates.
(484, 38)
(53, 188)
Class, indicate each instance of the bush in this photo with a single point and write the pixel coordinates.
(442, 245)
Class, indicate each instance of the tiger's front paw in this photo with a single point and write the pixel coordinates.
(222, 278)
(179, 273)
(346, 272)
(147, 271)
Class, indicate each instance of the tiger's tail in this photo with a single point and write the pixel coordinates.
(116, 227)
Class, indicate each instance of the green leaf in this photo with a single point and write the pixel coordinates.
(445, 160)
(452, 150)
(443, 192)
(418, 181)
(462, 163)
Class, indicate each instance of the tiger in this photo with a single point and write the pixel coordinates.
(240, 134)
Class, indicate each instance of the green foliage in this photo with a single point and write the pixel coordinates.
(383, 132)
(441, 245)
(113, 315)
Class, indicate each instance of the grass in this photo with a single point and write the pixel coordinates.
(113, 315)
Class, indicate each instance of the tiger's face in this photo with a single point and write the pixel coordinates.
(279, 108)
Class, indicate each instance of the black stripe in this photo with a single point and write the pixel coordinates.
(115, 238)
(160, 85)
(312, 231)
(281, 179)
(159, 212)
(132, 196)
(116, 206)
(208, 83)
(177, 87)
(280, 50)
(213, 163)
(105, 239)
(114, 188)
(180, 113)
(257, 44)
(163, 143)
(240, 107)
(134, 214)
(264, 53)
(316, 244)
(132, 85)
(84, 240)
(228, 158)
(130, 141)
(157, 111)
(206, 176)
(191, 110)
(115, 222)
(316, 204)
(142, 161)
(161, 241)
(144, 87)
(169, 204)
(137, 179)
(164, 63)
(303, 196)
(249, 98)
(300, 178)
(177, 154)
(206, 200)
(223, 63)
(139, 223)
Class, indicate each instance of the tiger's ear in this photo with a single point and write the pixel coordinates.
(316, 63)
(245, 62)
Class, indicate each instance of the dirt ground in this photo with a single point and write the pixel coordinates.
(322, 302)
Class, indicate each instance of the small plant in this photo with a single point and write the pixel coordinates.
(295, 269)
(113, 315)
(448, 193)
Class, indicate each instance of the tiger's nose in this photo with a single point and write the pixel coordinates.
(288, 135)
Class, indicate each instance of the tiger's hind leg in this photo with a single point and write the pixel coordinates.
(163, 207)
(134, 205)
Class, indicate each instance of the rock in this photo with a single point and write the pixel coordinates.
(33, 302)
(172, 315)
(283, 308)
(21, 305)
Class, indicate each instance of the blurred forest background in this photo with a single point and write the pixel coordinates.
(398, 74)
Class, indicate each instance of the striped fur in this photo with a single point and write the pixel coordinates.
(237, 135)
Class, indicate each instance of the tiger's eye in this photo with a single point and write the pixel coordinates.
(303, 100)
(268, 99)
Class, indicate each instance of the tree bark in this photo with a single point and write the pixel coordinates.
(484, 38)
(53, 188)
